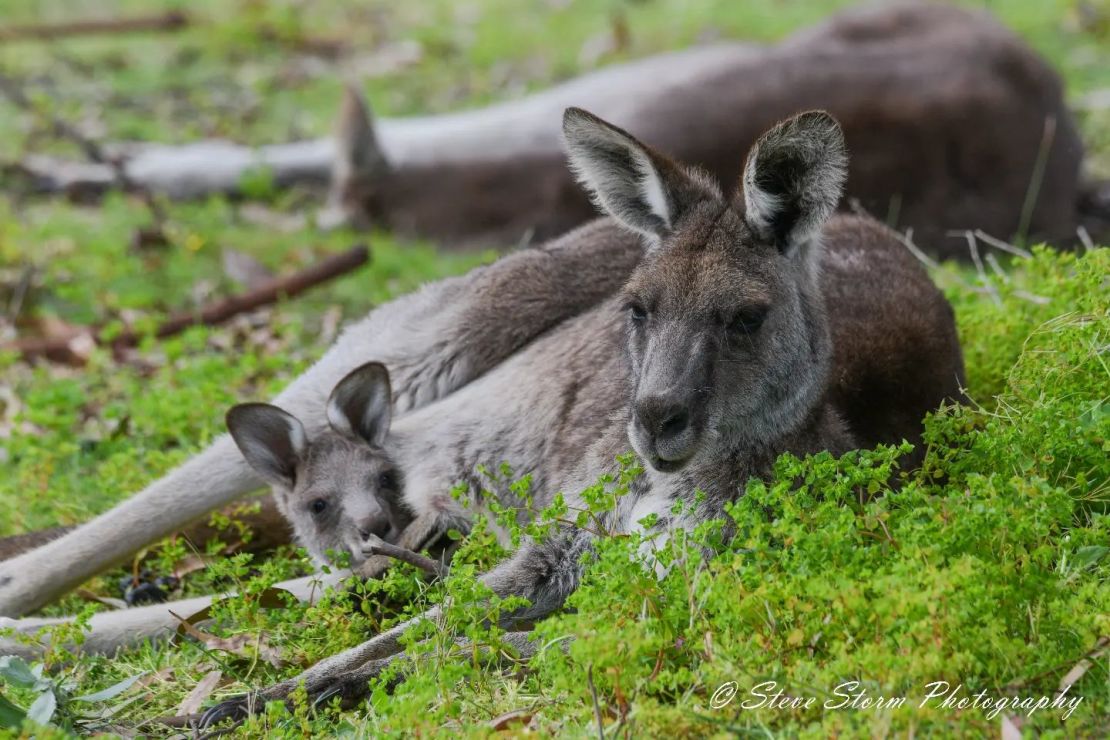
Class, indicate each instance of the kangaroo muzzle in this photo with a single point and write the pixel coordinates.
(669, 409)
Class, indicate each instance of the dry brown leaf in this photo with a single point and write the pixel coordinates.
(243, 645)
(190, 564)
(1079, 669)
(194, 699)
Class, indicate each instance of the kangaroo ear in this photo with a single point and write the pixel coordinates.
(793, 179)
(359, 160)
(637, 186)
(272, 441)
(361, 405)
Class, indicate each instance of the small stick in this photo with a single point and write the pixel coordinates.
(973, 247)
(170, 21)
(1004, 246)
(1037, 177)
(593, 695)
(379, 546)
(997, 268)
(905, 239)
(58, 348)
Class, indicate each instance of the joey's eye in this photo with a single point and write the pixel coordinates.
(319, 506)
(387, 480)
(637, 312)
(748, 320)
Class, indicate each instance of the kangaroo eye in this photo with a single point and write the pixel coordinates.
(387, 480)
(637, 312)
(318, 506)
(748, 320)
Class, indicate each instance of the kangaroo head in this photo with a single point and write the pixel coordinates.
(341, 488)
(727, 338)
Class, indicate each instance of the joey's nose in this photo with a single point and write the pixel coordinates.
(374, 527)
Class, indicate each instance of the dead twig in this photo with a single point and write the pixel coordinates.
(1037, 177)
(597, 705)
(1004, 246)
(379, 546)
(173, 20)
(996, 268)
(973, 248)
(60, 349)
(905, 239)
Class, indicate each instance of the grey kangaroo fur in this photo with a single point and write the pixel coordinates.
(726, 326)
(433, 341)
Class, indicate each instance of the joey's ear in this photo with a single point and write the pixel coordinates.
(361, 405)
(272, 441)
(637, 186)
(793, 179)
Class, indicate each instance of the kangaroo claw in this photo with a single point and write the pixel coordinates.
(237, 709)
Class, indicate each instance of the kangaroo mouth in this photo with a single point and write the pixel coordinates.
(667, 466)
(664, 456)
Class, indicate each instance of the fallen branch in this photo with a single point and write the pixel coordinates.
(172, 20)
(63, 349)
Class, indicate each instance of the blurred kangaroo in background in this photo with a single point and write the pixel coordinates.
(920, 89)
(729, 339)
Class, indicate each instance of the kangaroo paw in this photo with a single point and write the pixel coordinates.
(237, 709)
(354, 686)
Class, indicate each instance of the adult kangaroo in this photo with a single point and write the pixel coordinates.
(728, 341)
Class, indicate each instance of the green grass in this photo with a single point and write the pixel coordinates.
(985, 567)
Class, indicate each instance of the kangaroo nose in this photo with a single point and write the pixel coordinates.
(674, 424)
(664, 420)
